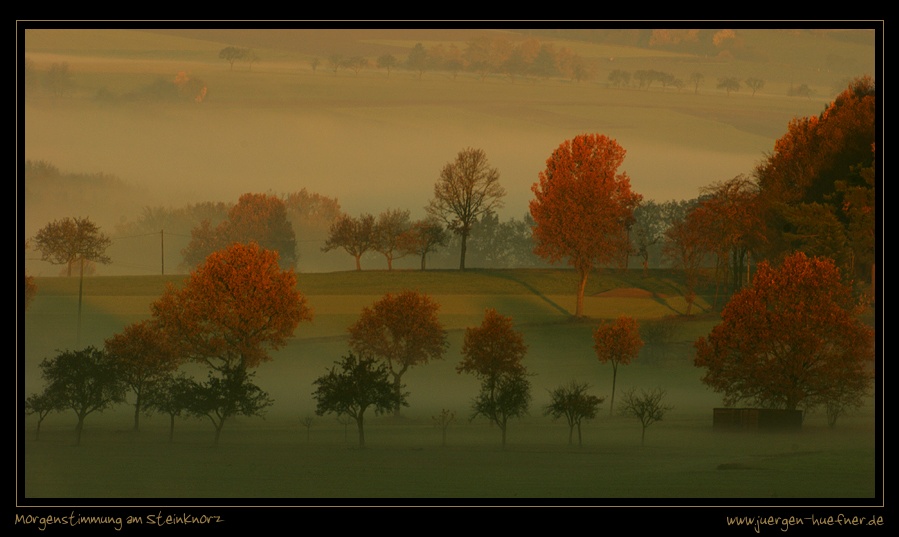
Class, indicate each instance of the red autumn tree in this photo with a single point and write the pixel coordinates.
(144, 358)
(582, 206)
(230, 312)
(259, 218)
(617, 342)
(791, 340)
(824, 164)
(492, 349)
(233, 308)
(402, 330)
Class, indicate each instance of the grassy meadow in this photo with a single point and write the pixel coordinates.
(404, 458)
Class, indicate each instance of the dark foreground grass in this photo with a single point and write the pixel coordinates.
(404, 462)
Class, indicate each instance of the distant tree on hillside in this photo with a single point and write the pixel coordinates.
(354, 235)
(59, 80)
(729, 84)
(388, 62)
(355, 64)
(424, 237)
(233, 54)
(754, 84)
(259, 218)
(389, 228)
(417, 60)
(696, 79)
(468, 187)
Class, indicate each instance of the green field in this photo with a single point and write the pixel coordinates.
(277, 457)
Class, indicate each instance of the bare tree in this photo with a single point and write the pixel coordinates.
(645, 406)
(468, 187)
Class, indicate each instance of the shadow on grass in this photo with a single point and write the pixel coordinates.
(511, 277)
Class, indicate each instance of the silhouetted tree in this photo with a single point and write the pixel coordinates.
(572, 402)
(84, 381)
(352, 386)
(645, 406)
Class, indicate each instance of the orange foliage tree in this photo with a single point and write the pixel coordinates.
(618, 342)
(493, 352)
(824, 164)
(259, 218)
(354, 235)
(144, 358)
(230, 312)
(402, 330)
(582, 206)
(791, 340)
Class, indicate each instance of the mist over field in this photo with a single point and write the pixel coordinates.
(375, 140)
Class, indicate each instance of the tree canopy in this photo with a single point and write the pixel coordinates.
(792, 340)
(582, 207)
(352, 386)
(402, 330)
(233, 308)
(85, 381)
(617, 342)
(259, 218)
(66, 241)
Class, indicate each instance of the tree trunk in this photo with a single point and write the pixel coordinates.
(614, 377)
(462, 254)
(423, 261)
(218, 430)
(579, 441)
(361, 431)
(581, 288)
(78, 428)
(171, 427)
(570, 434)
(137, 413)
(358, 262)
